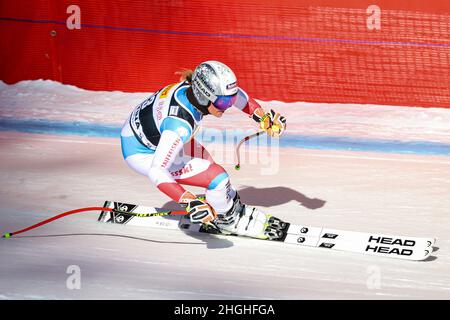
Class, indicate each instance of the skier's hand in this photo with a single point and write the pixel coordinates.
(273, 123)
(199, 211)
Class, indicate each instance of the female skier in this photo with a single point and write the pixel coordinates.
(158, 142)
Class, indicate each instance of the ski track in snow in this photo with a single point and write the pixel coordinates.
(43, 175)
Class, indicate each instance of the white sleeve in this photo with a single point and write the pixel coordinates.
(241, 100)
(169, 146)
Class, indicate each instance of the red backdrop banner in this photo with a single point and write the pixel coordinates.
(337, 51)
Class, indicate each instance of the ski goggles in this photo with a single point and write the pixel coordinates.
(224, 102)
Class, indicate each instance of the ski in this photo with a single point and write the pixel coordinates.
(392, 246)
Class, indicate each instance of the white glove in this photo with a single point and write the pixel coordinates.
(199, 211)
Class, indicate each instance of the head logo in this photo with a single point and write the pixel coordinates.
(119, 219)
(202, 88)
(304, 230)
(232, 85)
(301, 240)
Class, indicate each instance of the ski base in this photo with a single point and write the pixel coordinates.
(391, 246)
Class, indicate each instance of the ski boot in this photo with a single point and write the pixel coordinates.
(245, 220)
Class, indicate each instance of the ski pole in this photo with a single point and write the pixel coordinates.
(238, 156)
(61, 215)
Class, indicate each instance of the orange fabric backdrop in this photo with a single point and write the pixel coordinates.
(310, 50)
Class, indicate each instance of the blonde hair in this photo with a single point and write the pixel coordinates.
(185, 74)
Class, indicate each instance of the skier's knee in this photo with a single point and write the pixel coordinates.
(219, 177)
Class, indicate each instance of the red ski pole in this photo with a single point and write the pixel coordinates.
(61, 215)
(238, 156)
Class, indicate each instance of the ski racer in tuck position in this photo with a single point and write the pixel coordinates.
(158, 142)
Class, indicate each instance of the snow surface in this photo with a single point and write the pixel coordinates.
(45, 99)
(45, 174)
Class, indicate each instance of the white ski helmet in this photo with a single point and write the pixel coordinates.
(213, 81)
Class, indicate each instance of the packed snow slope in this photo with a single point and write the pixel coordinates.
(60, 151)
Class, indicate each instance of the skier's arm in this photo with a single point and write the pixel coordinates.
(272, 122)
(247, 104)
(174, 134)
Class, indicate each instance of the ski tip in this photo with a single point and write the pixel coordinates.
(7, 235)
(431, 242)
(237, 167)
(427, 255)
